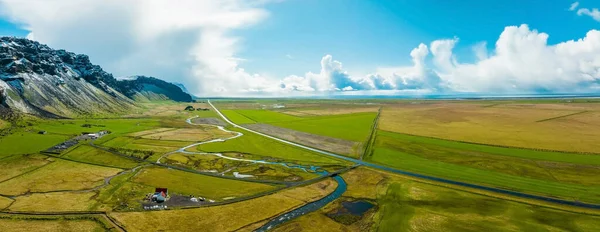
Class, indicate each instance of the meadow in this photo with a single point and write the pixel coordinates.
(67, 223)
(354, 127)
(548, 125)
(186, 183)
(227, 167)
(244, 216)
(408, 205)
(15, 165)
(58, 175)
(89, 154)
(258, 145)
(459, 140)
(492, 166)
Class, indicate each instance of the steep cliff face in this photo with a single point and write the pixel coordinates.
(38, 80)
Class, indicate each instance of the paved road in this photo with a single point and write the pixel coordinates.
(385, 168)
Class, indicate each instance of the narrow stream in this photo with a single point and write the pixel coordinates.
(307, 208)
(310, 207)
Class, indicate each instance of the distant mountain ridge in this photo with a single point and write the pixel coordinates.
(37, 79)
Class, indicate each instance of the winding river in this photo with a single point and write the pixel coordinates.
(307, 208)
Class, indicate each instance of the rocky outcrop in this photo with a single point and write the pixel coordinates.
(150, 87)
(39, 80)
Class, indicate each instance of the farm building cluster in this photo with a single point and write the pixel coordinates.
(74, 141)
(161, 199)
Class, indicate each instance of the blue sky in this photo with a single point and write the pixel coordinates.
(368, 34)
(315, 46)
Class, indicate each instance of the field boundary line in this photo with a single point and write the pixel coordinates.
(373, 134)
(270, 192)
(497, 145)
(69, 213)
(88, 163)
(32, 170)
(562, 116)
(193, 171)
(507, 197)
(498, 190)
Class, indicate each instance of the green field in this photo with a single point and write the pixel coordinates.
(58, 175)
(262, 146)
(354, 127)
(199, 185)
(266, 116)
(28, 143)
(236, 117)
(437, 158)
(18, 164)
(89, 154)
(403, 204)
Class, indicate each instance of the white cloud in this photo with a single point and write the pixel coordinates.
(188, 42)
(594, 13)
(191, 42)
(574, 6)
(524, 62)
(289, 56)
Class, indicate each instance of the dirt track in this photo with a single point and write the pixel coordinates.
(210, 121)
(336, 145)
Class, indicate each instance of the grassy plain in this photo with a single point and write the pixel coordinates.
(406, 205)
(259, 145)
(353, 127)
(227, 167)
(18, 164)
(75, 223)
(236, 117)
(59, 175)
(477, 166)
(5, 202)
(54, 202)
(21, 142)
(199, 185)
(45, 225)
(200, 133)
(266, 116)
(219, 218)
(335, 145)
(89, 154)
(564, 127)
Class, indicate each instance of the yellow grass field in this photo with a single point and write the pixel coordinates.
(16, 165)
(49, 202)
(202, 133)
(231, 217)
(59, 175)
(570, 127)
(5, 202)
(147, 132)
(199, 185)
(22, 225)
(328, 110)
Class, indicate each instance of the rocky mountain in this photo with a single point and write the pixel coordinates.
(39, 80)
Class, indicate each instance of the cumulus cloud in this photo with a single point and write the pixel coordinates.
(525, 62)
(191, 42)
(188, 42)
